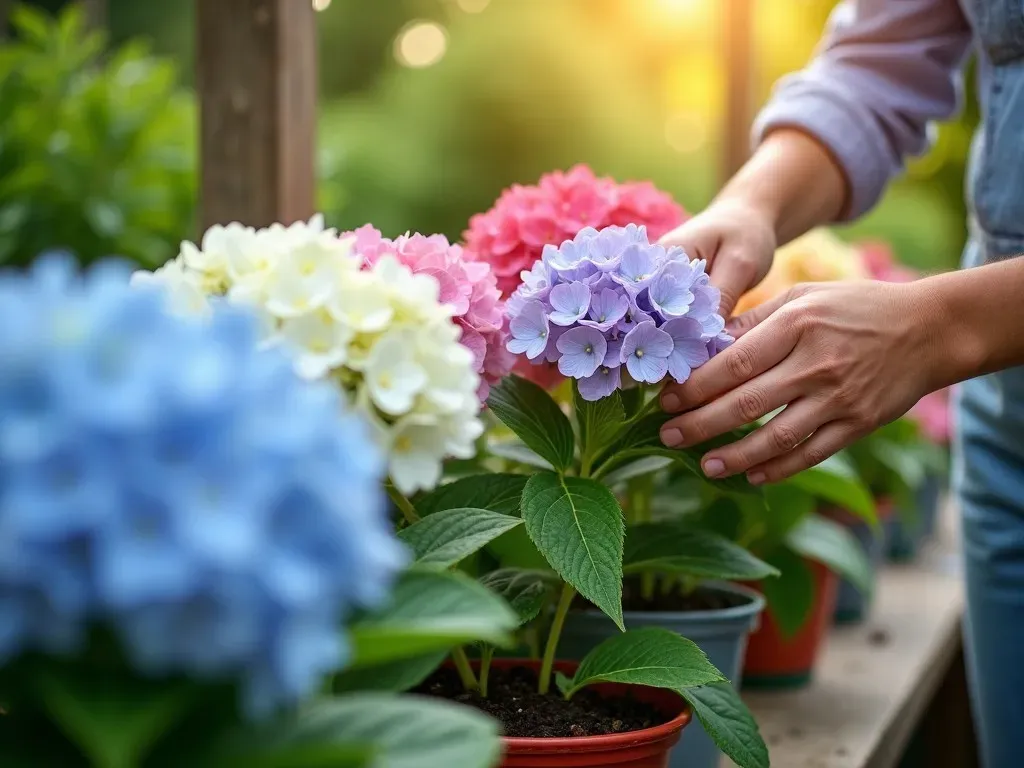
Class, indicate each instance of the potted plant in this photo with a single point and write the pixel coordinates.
(195, 526)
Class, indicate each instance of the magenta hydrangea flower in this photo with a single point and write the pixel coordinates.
(512, 235)
(466, 283)
(609, 300)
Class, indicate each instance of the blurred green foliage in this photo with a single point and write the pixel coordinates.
(97, 155)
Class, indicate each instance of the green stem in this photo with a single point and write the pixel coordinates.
(548, 663)
(533, 642)
(486, 655)
(403, 504)
(648, 583)
(462, 666)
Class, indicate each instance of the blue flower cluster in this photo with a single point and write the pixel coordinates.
(610, 299)
(164, 479)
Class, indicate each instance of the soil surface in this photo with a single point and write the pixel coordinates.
(512, 698)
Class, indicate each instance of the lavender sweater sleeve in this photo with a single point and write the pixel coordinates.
(884, 70)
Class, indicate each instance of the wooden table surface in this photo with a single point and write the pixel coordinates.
(875, 681)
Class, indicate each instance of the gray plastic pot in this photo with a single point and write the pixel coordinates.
(721, 634)
(905, 538)
(852, 606)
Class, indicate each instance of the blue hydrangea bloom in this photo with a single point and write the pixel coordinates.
(611, 300)
(165, 479)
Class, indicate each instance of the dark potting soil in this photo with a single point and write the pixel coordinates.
(512, 699)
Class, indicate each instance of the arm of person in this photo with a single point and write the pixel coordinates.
(834, 135)
(843, 359)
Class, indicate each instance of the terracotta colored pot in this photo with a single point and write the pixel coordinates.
(648, 748)
(775, 661)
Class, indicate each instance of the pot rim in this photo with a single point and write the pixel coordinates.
(540, 745)
(755, 605)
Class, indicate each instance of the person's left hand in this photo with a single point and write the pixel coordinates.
(842, 358)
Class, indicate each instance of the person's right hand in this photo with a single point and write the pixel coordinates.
(738, 242)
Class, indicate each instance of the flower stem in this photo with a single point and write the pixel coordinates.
(462, 666)
(486, 655)
(554, 635)
(404, 505)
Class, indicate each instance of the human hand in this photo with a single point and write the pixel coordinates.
(738, 242)
(842, 358)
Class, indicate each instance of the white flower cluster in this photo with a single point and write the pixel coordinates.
(381, 332)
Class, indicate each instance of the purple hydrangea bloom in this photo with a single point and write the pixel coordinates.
(612, 299)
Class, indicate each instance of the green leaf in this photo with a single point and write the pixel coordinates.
(429, 612)
(519, 452)
(729, 723)
(400, 675)
(599, 421)
(496, 492)
(677, 548)
(790, 597)
(114, 720)
(526, 591)
(837, 482)
(445, 538)
(651, 656)
(529, 411)
(376, 730)
(831, 544)
(577, 525)
(645, 466)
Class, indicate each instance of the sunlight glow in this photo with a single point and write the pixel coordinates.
(421, 44)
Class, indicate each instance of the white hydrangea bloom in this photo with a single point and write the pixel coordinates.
(381, 333)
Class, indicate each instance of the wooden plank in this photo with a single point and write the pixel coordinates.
(738, 50)
(876, 681)
(256, 77)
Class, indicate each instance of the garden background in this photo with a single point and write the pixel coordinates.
(428, 109)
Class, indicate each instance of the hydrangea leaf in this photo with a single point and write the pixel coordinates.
(599, 421)
(496, 492)
(836, 481)
(399, 675)
(446, 538)
(372, 729)
(535, 418)
(519, 452)
(652, 656)
(829, 543)
(525, 590)
(679, 549)
(577, 525)
(431, 611)
(729, 723)
(790, 597)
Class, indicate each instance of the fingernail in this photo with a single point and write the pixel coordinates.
(671, 437)
(756, 478)
(714, 467)
(670, 403)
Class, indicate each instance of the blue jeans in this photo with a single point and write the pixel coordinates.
(989, 483)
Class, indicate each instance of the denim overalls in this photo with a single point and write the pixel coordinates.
(989, 415)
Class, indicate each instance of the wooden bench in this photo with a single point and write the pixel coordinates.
(898, 675)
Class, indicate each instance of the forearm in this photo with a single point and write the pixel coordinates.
(978, 314)
(793, 181)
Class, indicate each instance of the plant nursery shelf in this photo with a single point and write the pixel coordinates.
(879, 683)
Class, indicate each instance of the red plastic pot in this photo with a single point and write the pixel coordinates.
(648, 748)
(775, 661)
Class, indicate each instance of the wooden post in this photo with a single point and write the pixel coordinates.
(256, 78)
(738, 51)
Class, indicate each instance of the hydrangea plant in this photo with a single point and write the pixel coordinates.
(372, 325)
(188, 526)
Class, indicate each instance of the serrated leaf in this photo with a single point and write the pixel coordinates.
(644, 466)
(388, 730)
(729, 723)
(429, 612)
(790, 597)
(536, 419)
(652, 656)
(496, 492)
(677, 548)
(526, 591)
(578, 526)
(519, 452)
(400, 675)
(445, 538)
(599, 421)
(829, 543)
(837, 482)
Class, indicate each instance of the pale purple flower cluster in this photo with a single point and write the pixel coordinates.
(609, 299)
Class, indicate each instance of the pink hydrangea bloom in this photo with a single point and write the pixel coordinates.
(882, 264)
(467, 284)
(512, 235)
(932, 415)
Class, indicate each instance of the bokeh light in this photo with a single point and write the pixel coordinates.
(421, 44)
(473, 6)
(321, 5)
(686, 132)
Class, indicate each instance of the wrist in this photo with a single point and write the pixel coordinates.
(956, 348)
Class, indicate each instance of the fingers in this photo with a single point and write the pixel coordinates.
(779, 437)
(742, 324)
(739, 407)
(733, 274)
(698, 241)
(825, 442)
(761, 349)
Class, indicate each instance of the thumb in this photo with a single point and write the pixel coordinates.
(699, 241)
(742, 324)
